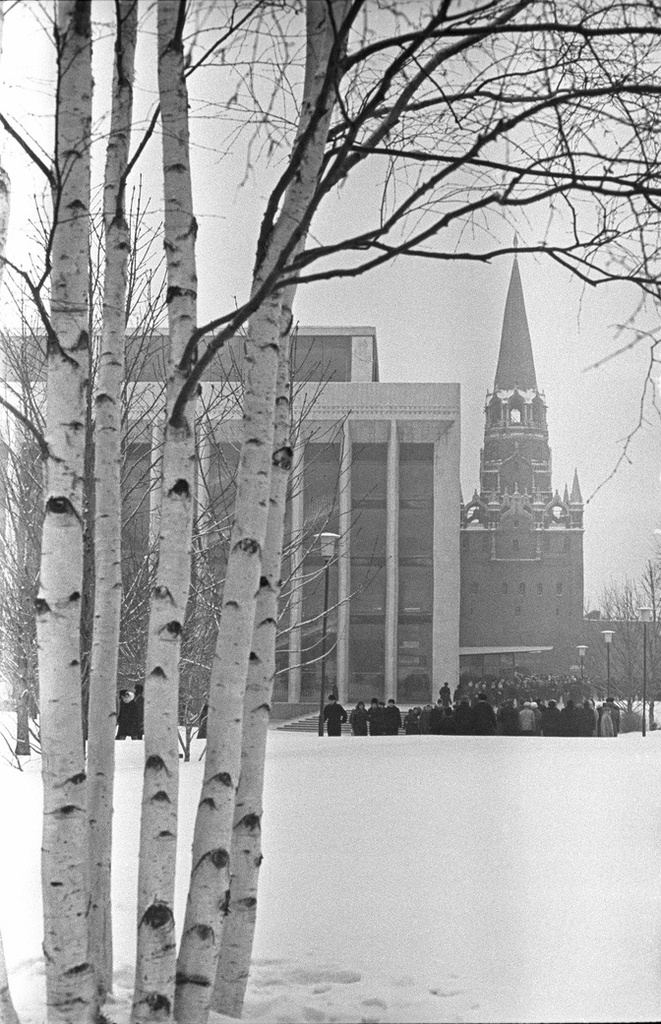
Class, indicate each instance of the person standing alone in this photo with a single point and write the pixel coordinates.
(334, 716)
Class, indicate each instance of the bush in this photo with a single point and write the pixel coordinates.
(631, 721)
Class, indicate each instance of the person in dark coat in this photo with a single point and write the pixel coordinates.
(358, 719)
(392, 719)
(551, 720)
(334, 716)
(140, 710)
(569, 720)
(436, 719)
(425, 719)
(127, 722)
(587, 719)
(375, 718)
(448, 727)
(412, 722)
(615, 714)
(483, 717)
(462, 716)
(507, 718)
(446, 695)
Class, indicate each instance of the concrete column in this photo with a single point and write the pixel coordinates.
(392, 562)
(344, 567)
(296, 602)
(445, 622)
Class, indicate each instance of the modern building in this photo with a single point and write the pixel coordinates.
(521, 542)
(377, 465)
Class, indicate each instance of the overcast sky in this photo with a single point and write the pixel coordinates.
(434, 321)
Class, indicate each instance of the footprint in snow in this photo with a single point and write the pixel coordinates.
(302, 976)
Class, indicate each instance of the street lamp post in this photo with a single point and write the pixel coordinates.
(581, 654)
(645, 616)
(327, 545)
(608, 635)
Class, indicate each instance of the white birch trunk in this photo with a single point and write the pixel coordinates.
(206, 908)
(155, 967)
(65, 888)
(8, 1014)
(107, 505)
(246, 848)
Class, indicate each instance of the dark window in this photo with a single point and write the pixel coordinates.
(464, 543)
(517, 610)
(416, 587)
(136, 487)
(367, 660)
(321, 358)
(368, 475)
(566, 542)
(515, 546)
(416, 475)
(558, 588)
(416, 532)
(368, 587)
(414, 661)
(540, 588)
(321, 487)
(486, 542)
(504, 588)
(522, 588)
(368, 533)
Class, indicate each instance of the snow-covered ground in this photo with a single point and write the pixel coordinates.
(409, 879)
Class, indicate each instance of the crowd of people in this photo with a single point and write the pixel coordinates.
(477, 716)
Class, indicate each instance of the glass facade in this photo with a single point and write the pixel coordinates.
(416, 572)
(368, 572)
(321, 486)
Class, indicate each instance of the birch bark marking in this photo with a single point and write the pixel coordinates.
(246, 848)
(65, 888)
(209, 884)
(107, 520)
(155, 965)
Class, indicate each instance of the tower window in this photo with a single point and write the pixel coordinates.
(515, 416)
(464, 543)
(522, 588)
(515, 546)
(540, 589)
(517, 610)
(504, 588)
(558, 589)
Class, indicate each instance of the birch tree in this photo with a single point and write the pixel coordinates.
(246, 849)
(108, 515)
(326, 31)
(8, 1014)
(65, 889)
(155, 966)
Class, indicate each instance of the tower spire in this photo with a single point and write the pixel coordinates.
(516, 366)
(576, 498)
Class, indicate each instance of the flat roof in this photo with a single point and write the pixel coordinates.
(503, 650)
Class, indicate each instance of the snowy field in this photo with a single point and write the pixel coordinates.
(409, 879)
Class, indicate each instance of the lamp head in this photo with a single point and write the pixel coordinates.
(327, 543)
(645, 613)
(582, 648)
(608, 635)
